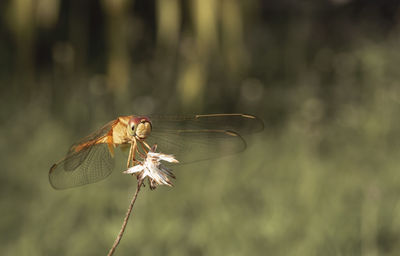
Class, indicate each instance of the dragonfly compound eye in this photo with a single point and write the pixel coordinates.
(131, 128)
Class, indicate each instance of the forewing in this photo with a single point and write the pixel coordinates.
(91, 138)
(89, 165)
(86, 162)
(200, 137)
(196, 145)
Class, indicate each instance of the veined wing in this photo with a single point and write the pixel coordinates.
(196, 145)
(86, 162)
(193, 138)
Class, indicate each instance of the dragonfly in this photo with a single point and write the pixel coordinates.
(190, 138)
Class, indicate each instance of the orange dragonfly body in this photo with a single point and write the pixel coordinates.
(208, 136)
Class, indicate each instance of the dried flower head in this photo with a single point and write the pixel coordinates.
(152, 168)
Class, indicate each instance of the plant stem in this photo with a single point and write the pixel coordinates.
(128, 213)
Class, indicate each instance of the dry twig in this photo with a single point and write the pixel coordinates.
(128, 213)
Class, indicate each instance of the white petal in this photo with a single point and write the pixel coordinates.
(152, 154)
(135, 169)
(146, 172)
(168, 158)
(154, 170)
(160, 156)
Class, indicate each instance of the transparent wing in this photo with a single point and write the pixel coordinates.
(85, 162)
(196, 145)
(95, 164)
(90, 139)
(200, 137)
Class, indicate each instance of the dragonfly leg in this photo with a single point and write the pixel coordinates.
(132, 154)
(147, 145)
(129, 157)
(144, 145)
(134, 149)
(140, 153)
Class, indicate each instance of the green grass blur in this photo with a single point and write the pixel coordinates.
(321, 179)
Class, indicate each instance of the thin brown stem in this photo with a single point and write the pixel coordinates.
(128, 213)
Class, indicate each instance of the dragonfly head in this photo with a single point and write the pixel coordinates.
(139, 126)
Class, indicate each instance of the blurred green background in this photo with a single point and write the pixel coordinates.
(322, 179)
